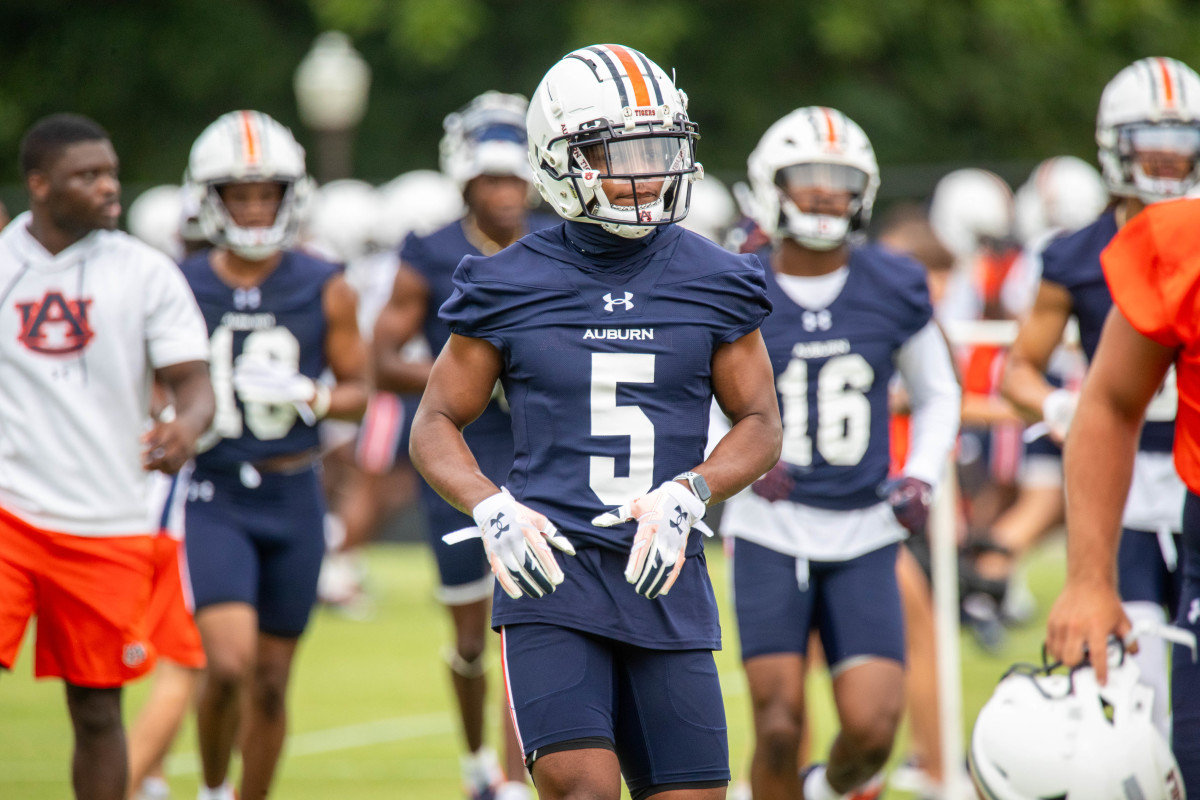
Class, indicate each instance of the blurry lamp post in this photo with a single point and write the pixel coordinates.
(331, 86)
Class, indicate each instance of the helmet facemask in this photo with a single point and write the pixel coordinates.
(1160, 161)
(820, 203)
(632, 180)
(253, 243)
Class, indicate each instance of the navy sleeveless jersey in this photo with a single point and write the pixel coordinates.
(608, 374)
(1073, 262)
(832, 369)
(283, 318)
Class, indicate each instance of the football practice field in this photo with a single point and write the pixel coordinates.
(371, 703)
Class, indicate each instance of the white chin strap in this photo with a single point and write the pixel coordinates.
(1155, 190)
(255, 244)
(814, 231)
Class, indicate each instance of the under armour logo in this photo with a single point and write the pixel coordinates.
(817, 320)
(247, 298)
(497, 522)
(680, 517)
(609, 302)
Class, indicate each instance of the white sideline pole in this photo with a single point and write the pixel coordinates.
(943, 541)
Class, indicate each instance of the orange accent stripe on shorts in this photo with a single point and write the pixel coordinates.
(250, 139)
(641, 94)
(1168, 86)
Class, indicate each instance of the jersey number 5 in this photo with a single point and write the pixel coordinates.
(610, 419)
(843, 411)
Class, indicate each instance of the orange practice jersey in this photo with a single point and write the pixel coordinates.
(1153, 272)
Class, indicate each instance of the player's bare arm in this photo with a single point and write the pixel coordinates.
(168, 445)
(460, 386)
(345, 351)
(398, 323)
(744, 386)
(1024, 383)
(1098, 462)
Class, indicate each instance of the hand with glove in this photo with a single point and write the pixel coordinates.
(665, 517)
(515, 538)
(271, 382)
(1058, 409)
(909, 498)
(776, 485)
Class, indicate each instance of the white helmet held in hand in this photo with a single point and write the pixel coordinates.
(246, 147)
(486, 137)
(1150, 112)
(813, 147)
(155, 217)
(1044, 735)
(608, 114)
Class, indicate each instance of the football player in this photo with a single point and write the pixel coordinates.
(276, 319)
(611, 334)
(1148, 130)
(89, 317)
(818, 536)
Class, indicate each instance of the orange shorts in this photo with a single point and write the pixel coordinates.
(169, 623)
(89, 595)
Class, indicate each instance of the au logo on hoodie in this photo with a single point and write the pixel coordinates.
(54, 325)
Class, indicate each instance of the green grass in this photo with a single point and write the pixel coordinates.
(371, 705)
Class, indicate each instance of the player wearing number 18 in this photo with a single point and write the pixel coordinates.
(276, 319)
(817, 539)
(611, 334)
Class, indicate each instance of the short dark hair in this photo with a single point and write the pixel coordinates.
(47, 137)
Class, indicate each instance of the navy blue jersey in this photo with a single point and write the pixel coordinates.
(832, 368)
(282, 318)
(434, 257)
(608, 373)
(1073, 262)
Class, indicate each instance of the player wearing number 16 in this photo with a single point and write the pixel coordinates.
(611, 334)
(817, 539)
(276, 319)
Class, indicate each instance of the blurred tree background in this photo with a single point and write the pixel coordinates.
(936, 84)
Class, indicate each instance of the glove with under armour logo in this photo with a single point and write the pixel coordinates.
(515, 538)
(665, 517)
(909, 498)
(264, 380)
(776, 485)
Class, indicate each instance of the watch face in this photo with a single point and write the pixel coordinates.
(701, 487)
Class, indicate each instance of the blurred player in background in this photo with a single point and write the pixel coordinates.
(1148, 130)
(818, 536)
(484, 149)
(89, 317)
(611, 334)
(276, 318)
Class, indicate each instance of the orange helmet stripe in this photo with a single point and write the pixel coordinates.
(641, 95)
(1168, 85)
(250, 144)
(830, 128)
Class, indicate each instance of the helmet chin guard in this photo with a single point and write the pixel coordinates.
(610, 141)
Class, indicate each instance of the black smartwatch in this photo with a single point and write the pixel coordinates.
(698, 485)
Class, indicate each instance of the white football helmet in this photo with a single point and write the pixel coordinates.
(422, 200)
(243, 147)
(971, 208)
(1063, 193)
(1151, 106)
(343, 219)
(813, 147)
(607, 113)
(1044, 735)
(155, 217)
(486, 137)
(713, 211)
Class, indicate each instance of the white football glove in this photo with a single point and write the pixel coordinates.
(665, 517)
(1058, 409)
(262, 380)
(515, 538)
